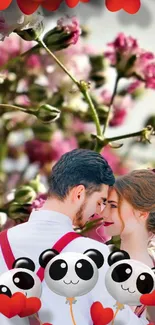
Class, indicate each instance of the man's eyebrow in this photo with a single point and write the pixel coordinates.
(112, 201)
(104, 199)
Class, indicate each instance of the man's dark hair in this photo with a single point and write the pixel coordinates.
(79, 167)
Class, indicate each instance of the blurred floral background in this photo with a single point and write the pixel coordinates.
(55, 97)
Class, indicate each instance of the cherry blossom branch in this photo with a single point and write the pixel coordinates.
(82, 85)
(111, 103)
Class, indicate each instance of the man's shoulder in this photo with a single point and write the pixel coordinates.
(84, 243)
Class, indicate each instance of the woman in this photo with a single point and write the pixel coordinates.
(130, 213)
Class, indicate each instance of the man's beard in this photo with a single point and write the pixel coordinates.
(78, 220)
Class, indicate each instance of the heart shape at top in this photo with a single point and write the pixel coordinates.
(101, 315)
(11, 307)
(130, 6)
(148, 299)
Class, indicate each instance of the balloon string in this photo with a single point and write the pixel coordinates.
(37, 318)
(71, 309)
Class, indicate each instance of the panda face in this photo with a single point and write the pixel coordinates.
(20, 280)
(71, 274)
(127, 280)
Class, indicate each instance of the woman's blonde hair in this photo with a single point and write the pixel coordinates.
(138, 189)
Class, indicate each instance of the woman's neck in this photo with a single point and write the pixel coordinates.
(137, 247)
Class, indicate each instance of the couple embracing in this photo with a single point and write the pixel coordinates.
(82, 185)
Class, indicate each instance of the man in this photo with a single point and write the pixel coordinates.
(78, 187)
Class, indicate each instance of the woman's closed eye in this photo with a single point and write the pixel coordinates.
(113, 206)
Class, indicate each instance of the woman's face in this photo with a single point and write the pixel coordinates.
(113, 224)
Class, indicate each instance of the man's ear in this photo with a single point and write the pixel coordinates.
(117, 256)
(47, 256)
(78, 193)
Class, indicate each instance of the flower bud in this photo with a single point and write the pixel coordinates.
(25, 194)
(37, 186)
(66, 33)
(47, 113)
(18, 211)
(31, 34)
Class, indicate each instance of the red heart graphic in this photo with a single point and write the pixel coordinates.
(11, 307)
(32, 306)
(131, 7)
(148, 299)
(101, 315)
(47, 324)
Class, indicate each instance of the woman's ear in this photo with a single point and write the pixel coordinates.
(143, 215)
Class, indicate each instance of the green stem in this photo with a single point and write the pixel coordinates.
(5, 106)
(111, 104)
(124, 136)
(94, 112)
(81, 85)
(41, 43)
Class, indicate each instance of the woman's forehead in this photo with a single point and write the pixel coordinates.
(112, 194)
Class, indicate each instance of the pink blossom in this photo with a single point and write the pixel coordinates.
(70, 26)
(34, 62)
(149, 75)
(61, 145)
(97, 233)
(124, 47)
(12, 47)
(121, 106)
(38, 202)
(131, 60)
(44, 152)
(118, 117)
(134, 86)
(114, 161)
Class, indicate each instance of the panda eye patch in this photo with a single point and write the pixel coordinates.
(145, 283)
(58, 270)
(84, 270)
(121, 272)
(4, 290)
(23, 280)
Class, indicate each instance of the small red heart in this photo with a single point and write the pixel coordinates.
(148, 299)
(47, 324)
(131, 7)
(101, 315)
(11, 307)
(32, 306)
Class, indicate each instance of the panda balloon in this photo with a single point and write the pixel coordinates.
(127, 280)
(71, 274)
(21, 278)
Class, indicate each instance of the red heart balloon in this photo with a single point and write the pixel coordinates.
(101, 315)
(32, 306)
(131, 7)
(11, 307)
(148, 299)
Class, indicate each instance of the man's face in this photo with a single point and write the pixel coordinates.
(92, 204)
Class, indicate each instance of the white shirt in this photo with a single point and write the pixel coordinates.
(41, 232)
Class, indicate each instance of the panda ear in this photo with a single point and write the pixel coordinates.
(47, 256)
(117, 256)
(24, 263)
(96, 256)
